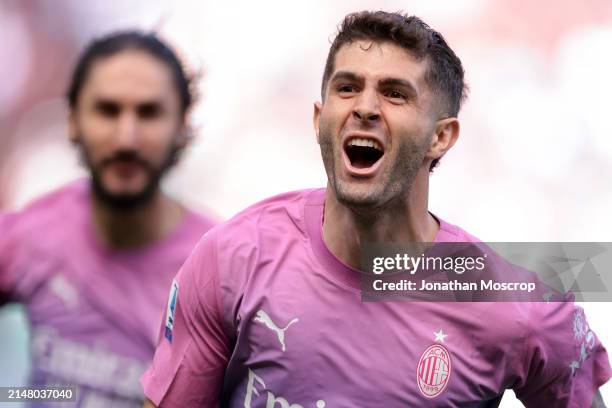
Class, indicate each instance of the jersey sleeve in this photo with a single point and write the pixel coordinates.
(564, 361)
(193, 348)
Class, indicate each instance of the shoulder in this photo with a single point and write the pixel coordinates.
(50, 212)
(452, 233)
(280, 214)
(32, 239)
(265, 230)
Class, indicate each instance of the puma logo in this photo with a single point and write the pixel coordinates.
(262, 317)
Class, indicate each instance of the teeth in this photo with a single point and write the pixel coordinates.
(365, 143)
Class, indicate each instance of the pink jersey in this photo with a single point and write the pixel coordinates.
(263, 315)
(94, 312)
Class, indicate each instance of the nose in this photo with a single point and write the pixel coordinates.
(127, 131)
(367, 106)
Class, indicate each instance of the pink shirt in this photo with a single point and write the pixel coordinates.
(94, 312)
(263, 315)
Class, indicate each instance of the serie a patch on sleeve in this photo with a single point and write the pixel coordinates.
(172, 299)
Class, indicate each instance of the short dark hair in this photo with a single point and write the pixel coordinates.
(130, 40)
(445, 72)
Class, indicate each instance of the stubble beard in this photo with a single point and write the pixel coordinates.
(132, 201)
(396, 183)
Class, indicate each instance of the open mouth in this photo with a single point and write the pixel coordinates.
(363, 153)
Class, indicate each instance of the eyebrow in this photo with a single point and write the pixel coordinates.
(384, 82)
(105, 101)
(347, 75)
(150, 105)
(106, 105)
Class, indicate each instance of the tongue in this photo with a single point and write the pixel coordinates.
(363, 157)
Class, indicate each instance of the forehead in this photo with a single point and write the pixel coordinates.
(130, 76)
(379, 60)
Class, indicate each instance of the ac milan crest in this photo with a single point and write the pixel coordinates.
(433, 370)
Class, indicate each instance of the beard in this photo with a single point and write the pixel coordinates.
(395, 184)
(127, 201)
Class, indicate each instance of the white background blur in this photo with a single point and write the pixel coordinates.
(533, 162)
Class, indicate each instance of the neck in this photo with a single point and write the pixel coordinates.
(345, 231)
(136, 227)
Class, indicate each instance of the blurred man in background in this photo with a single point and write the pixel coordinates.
(92, 262)
(267, 311)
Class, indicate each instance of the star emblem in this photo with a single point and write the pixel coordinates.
(440, 336)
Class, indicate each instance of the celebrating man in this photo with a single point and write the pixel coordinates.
(268, 312)
(92, 262)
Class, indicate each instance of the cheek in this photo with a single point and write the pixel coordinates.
(157, 137)
(96, 126)
(412, 130)
(330, 127)
(96, 138)
(336, 111)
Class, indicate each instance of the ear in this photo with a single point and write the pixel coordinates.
(316, 116)
(445, 135)
(73, 133)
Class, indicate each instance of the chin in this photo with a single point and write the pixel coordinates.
(360, 198)
(126, 201)
(123, 197)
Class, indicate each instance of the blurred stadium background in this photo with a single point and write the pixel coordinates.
(533, 163)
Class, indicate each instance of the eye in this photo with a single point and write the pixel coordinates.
(149, 110)
(395, 95)
(347, 89)
(108, 109)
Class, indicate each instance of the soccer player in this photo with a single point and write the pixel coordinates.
(268, 310)
(92, 262)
